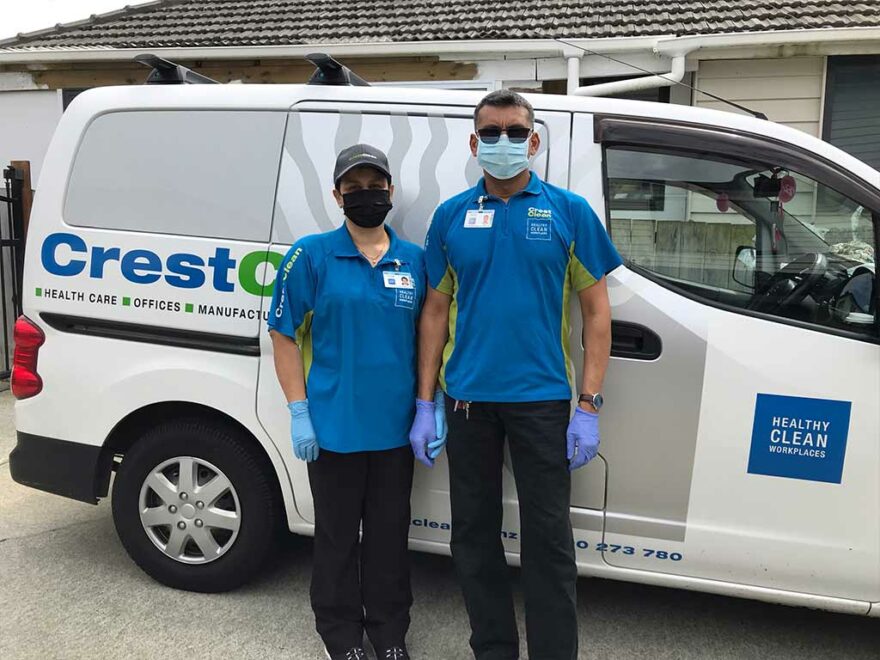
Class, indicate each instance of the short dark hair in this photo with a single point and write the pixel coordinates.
(504, 98)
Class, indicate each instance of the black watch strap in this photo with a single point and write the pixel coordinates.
(592, 400)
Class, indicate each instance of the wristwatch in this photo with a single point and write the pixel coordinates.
(594, 400)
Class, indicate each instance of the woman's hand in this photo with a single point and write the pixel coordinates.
(423, 431)
(302, 433)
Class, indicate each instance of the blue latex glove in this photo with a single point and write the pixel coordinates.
(435, 447)
(302, 433)
(582, 437)
(423, 431)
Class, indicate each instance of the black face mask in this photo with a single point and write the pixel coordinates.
(367, 208)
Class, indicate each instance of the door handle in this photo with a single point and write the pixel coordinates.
(634, 341)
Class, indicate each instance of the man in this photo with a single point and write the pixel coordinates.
(502, 259)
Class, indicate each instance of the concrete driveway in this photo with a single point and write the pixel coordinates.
(68, 590)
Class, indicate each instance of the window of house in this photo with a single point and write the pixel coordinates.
(748, 235)
(852, 96)
(198, 173)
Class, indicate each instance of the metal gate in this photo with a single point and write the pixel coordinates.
(12, 230)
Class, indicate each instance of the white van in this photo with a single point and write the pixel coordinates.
(741, 435)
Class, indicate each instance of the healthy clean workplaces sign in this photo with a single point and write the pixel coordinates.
(799, 438)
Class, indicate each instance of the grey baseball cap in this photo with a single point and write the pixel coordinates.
(360, 155)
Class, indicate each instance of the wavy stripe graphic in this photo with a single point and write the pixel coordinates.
(314, 191)
(401, 143)
(283, 233)
(429, 188)
(472, 171)
(348, 132)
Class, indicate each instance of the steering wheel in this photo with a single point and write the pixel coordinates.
(791, 284)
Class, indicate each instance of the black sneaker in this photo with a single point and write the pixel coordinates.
(393, 653)
(354, 653)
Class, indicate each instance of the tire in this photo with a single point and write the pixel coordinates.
(150, 501)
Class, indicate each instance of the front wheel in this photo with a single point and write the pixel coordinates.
(195, 507)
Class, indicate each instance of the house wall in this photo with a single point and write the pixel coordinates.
(789, 91)
(27, 121)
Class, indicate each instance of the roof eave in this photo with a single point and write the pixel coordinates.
(665, 45)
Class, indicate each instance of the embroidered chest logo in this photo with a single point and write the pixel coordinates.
(538, 227)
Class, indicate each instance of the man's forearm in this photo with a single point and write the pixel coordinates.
(597, 349)
(433, 331)
(289, 367)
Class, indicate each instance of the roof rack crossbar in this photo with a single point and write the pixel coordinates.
(330, 72)
(168, 73)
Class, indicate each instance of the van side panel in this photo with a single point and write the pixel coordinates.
(135, 315)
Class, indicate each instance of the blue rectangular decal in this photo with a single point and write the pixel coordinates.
(539, 229)
(405, 298)
(799, 438)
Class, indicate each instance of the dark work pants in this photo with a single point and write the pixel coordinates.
(536, 435)
(364, 585)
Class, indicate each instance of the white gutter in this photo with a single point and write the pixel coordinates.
(684, 45)
(461, 50)
(675, 76)
(678, 48)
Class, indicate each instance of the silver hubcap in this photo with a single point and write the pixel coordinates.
(190, 510)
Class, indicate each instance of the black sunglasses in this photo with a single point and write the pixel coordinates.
(516, 134)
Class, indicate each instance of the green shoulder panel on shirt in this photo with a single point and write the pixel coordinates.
(447, 284)
(304, 341)
(453, 319)
(581, 278)
(566, 325)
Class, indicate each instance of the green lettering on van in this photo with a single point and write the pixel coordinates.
(247, 272)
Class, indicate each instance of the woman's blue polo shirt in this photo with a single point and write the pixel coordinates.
(356, 334)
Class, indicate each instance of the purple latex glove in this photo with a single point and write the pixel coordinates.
(435, 446)
(583, 438)
(423, 431)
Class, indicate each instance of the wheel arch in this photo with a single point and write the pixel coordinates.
(131, 427)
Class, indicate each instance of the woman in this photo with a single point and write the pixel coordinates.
(345, 310)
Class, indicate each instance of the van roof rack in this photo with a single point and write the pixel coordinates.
(330, 72)
(169, 73)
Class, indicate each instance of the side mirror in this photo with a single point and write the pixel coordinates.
(744, 266)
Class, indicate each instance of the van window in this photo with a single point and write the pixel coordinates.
(196, 173)
(748, 235)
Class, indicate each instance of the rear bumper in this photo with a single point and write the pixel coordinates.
(65, 468)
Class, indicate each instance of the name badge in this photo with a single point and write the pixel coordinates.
(397, 280)
(479, 219)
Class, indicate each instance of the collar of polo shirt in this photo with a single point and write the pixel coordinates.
(534, 187)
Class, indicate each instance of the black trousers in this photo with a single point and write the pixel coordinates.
(361, 585)
(536, 435)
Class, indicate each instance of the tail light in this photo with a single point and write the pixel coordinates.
(25, 381)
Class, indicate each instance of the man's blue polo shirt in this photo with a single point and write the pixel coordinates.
(510, 284)
(357, 337)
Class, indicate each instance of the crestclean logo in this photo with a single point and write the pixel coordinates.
(540, 213)
(68, 255)
(279, 310)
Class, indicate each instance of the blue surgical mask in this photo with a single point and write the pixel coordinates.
(504, 159)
